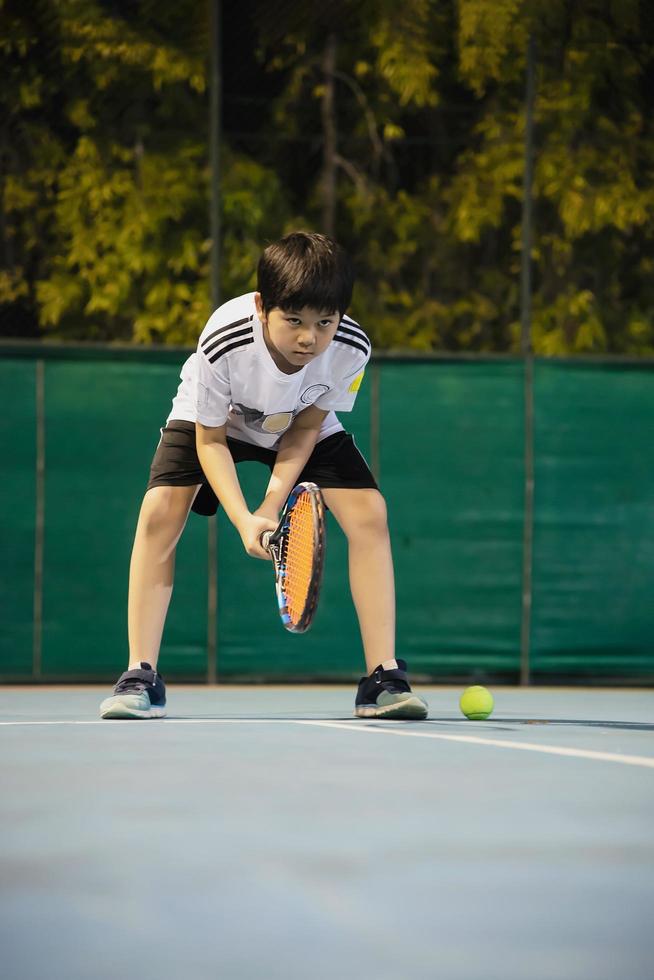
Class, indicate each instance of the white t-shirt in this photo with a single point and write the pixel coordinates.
(232, 378)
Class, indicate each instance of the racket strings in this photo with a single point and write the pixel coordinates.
(299, 557)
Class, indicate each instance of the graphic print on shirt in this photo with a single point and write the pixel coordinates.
(313, 393)
(254, 419)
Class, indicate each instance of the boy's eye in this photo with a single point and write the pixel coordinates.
(297, 322)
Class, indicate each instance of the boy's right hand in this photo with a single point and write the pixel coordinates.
(251, 528)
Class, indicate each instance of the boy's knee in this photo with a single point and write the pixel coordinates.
(164, 509)
(371, 517)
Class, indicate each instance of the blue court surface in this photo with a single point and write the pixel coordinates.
(262, 832)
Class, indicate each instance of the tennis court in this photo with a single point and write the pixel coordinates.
(486, 170)
(263, 832)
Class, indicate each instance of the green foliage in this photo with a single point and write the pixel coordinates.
(115, 182)
(104, 177)
(124, 253)
(492, 41)
(401, 40)
(254, 212)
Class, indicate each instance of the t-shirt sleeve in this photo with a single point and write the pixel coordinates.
(342, 396)
(213, 390)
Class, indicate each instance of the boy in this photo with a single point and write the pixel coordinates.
(269, 372)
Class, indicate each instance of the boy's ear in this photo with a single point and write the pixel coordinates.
(258, 302)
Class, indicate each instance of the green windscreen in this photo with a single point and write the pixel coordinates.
(451, 439)
(447, 439)
(101, 429)
(17, 517)
(594, 522)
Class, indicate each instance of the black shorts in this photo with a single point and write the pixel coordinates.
(334, 463)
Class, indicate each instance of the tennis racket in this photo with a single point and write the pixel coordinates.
(297, 549)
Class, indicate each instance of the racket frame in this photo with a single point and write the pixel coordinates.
(273, 542)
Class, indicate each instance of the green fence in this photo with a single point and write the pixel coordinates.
(447, 438)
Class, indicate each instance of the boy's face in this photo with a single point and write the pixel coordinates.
(295, 337)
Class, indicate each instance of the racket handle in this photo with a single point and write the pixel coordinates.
(265, 539)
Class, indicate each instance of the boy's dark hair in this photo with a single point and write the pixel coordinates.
(305, 269)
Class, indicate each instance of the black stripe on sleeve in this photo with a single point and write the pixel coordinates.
(226, 350)
(351, 343)
(353, 324)
(224, 340)
(356, 334)
(237, 323)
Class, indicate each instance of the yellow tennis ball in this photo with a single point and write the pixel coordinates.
(476, 703)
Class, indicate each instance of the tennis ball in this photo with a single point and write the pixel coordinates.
(476, 703)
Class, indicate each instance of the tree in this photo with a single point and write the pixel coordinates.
(399, 126)
(105, 205)
(594, 160)
(439, 239)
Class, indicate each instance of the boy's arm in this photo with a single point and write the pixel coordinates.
(295, 447)
(218, 465)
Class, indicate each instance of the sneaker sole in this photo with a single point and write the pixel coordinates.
(114, 708)
(411, 708)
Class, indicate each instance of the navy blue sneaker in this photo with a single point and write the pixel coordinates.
(388, 694)
(139, 693)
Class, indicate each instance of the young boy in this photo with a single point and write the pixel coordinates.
(270, 370)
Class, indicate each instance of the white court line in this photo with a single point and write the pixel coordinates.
(112, 722)
(627, 760)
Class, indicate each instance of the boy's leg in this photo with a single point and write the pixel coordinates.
(362, 517)
(140, 691)
(386, 692)
(163, 515)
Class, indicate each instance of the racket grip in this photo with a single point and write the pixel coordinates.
(265, 539)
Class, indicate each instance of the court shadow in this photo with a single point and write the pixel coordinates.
(628, 726)
(289, 716)
(498, 724)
